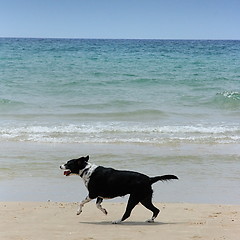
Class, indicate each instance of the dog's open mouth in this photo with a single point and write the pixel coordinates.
(67, 172)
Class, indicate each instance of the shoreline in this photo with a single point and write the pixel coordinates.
(207, 174)
(58, 220)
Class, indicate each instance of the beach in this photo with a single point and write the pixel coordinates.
(152, 106)
(52, 220)
(184, 204)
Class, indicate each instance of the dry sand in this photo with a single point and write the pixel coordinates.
(45, 221)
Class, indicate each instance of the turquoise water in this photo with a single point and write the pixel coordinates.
(157, 96)
(143, 91)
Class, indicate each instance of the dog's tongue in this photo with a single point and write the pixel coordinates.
(67, 172)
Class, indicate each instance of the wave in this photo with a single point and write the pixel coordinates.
(228, 100)
(4, 101)
(230, 95)
(143, 113)
(119, 133)
(107, 105)
(91, 112)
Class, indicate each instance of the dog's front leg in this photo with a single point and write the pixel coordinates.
(86, 200)
(99, 206)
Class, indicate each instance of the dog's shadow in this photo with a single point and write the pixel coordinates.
(127, 223)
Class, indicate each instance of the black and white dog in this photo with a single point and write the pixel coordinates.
(108, 183)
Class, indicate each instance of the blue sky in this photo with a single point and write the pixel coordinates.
(142, 19)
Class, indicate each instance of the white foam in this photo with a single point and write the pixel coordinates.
(119, 132)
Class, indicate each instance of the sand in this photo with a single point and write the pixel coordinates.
(51, 220)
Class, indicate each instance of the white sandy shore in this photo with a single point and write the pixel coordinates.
(45, 221)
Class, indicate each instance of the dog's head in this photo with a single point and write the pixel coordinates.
(75, 165)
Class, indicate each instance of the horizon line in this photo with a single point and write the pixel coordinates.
(100, 38)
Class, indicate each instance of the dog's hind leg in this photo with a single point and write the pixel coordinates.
(132, 202)
(99, 206)
(86, 200)
(147, 202)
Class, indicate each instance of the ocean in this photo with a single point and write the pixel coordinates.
(155, 106)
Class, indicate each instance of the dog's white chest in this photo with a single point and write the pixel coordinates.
(87, 172)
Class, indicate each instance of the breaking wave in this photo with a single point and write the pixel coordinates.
(119, 133)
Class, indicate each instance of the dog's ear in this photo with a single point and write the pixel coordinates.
(86, 158)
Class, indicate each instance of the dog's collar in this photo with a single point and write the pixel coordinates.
(82, 172)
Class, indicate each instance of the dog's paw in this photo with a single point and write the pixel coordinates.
(79, 212)
(105, 211)
(150, 221)
(117, 221)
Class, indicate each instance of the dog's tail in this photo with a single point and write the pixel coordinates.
(162, 178)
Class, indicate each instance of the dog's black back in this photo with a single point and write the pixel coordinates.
(111, 183)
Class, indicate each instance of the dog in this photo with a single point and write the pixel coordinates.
(106, 183)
